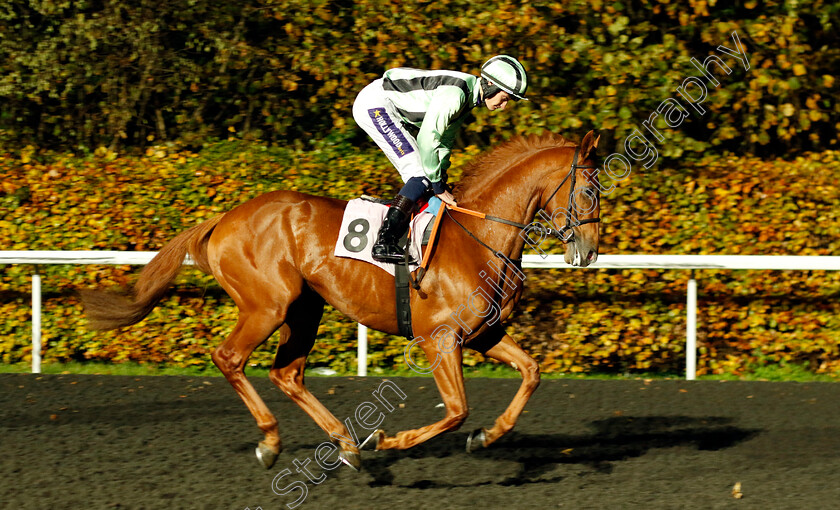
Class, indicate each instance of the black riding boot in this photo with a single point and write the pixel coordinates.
(386, 248)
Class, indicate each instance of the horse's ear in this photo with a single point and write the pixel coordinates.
(589, 143)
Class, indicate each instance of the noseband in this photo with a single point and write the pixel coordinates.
(566, 234)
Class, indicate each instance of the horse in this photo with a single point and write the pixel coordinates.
(274, 256)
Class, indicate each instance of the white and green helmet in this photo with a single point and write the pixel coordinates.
(508, 74)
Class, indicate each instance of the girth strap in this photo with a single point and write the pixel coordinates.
(402, 282)
(403, 300)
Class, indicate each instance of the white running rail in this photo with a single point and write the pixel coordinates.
(731, 262)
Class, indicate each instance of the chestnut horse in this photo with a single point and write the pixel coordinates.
(274, 256)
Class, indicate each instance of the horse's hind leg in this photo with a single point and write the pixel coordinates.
(252, 329)
(298, 335)
(506, 350)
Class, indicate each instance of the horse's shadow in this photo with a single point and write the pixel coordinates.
(613, 440)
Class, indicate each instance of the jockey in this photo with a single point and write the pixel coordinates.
(433, 104)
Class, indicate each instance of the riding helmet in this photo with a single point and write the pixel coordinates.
(506, 73)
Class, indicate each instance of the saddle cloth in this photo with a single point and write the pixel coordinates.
(360, 226)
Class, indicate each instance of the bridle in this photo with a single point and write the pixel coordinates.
(565, 234)
(572, 210)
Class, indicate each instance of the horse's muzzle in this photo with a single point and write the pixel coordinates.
(579, 254)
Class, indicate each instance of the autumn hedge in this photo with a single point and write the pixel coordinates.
(114, 73)
(572, 320)
(139, 91)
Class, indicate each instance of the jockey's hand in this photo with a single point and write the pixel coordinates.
(447, 197)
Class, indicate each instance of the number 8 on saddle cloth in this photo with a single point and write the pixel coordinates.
(361, 222)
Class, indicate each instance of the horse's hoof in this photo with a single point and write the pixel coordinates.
(354, 460)
(372, 441)
(475, 441)
(266, 455)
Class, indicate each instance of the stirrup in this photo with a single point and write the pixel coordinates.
(392, 256)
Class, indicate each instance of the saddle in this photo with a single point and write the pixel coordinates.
(361, 222)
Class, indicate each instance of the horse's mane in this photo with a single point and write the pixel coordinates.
(506, 155)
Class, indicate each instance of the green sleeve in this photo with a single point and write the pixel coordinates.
(436, 134)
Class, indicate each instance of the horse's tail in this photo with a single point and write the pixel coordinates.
(112, 310)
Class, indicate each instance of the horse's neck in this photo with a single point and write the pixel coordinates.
(513, 196)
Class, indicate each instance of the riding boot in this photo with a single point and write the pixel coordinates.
(386, 248)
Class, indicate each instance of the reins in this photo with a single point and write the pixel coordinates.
(483, 216)
(421, 272)
(559, 234)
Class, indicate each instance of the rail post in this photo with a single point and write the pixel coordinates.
(36, 322)
(691, 330)
(362, 352)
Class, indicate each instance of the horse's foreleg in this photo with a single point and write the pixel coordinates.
(507, 351)
(250, 331)
(449, 378)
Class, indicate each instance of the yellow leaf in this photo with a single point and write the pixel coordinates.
(799, 70)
